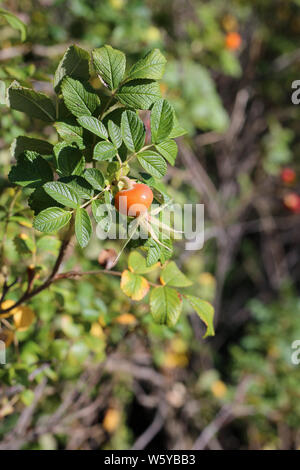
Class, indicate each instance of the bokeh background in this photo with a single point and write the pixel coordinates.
(93, 371)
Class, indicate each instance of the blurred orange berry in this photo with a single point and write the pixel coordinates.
(126, 319)
(111, 420)
(233, 41)
(292, 202)
(219, 389)
(288, 175)
(97, 331)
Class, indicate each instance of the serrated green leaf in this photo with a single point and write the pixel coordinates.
(95, 178)
(30, 173)
(162, 119)
(139, 94)
(153, 163)
(165, 305)
(115, 134)
(168, 150)
(23, 143)
(74, 64)
(137, 263)
(14, 22)
(152, 66)
(205, 311)
(81, 187)
(133, 131)
(51, 219)
(69, 159)
(79, 98)
(93, 125)
(156, 251)
(34, 104)
(62, 193)
(83, 227)
(70, 132)
(110, 64)
(172, 276)
(104, 151)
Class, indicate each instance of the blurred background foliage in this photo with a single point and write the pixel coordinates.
(92, 370)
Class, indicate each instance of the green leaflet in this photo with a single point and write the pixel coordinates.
(110, 64)
(104, 151)
(133, 131)
(51, 219)
(93, 125)
(205, 311)
(172, 276)
(74, 64)
(70, 132)
(79, 98)
(83, 227)
(139, 94)
(14, 22)
(165, 305)
(95, 178)
(34, 104)
(162, 118)
(169, 150)
(152, 66)
(115, 134)
(62, 193)
(69, 159)
(153, 163)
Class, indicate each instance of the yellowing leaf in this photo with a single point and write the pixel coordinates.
(133, 285)
(207, 280)
(23, 318)
(97, 331)
(179, 346)
(174, 360)
(111, 420)
(219, 389)
(7, 304)
(126, 319)
(7, 336)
